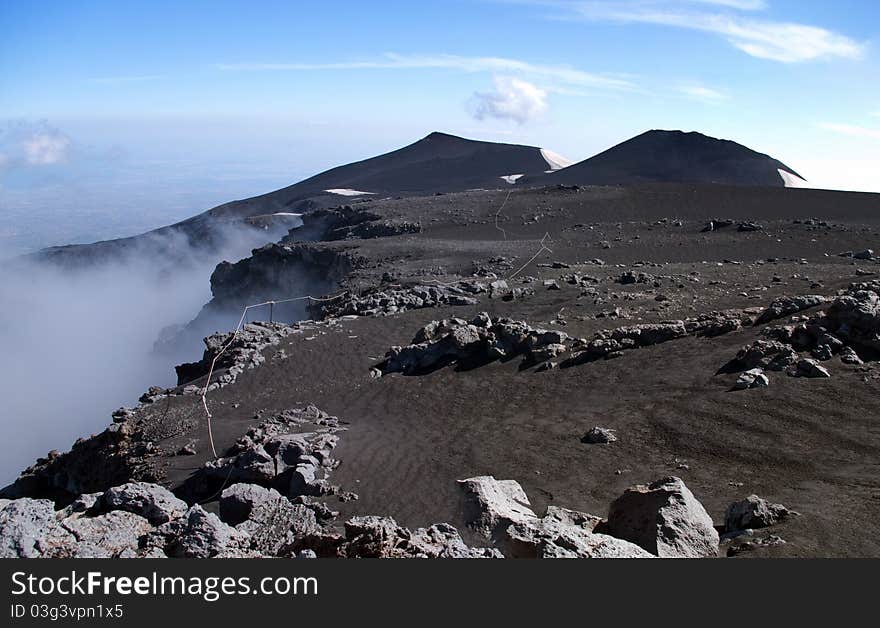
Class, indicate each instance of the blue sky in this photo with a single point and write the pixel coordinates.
(142, 112)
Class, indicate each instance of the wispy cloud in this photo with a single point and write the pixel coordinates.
(851, 129)
(511, 99)
(702, 93)
(786, 42)
(393, 61)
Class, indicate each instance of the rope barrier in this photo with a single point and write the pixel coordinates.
(238, 328)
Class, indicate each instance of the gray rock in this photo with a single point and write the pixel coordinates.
(563, 533)
(784, 306)
(822, 352)
(491, 505)
(753, 378)
(753, 512)
(24, 524)
(599, 436)
(663, 518)
(110, 535)
(849, 356)
(382, 537)
(199, 534)
(239, 500)
(156, 503)
(498, 289)
(809, 368)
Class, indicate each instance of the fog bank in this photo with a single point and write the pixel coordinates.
(78, 343)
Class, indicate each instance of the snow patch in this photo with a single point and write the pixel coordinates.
(555, 160)
(792, 180)
(511, 178)
(347, 192)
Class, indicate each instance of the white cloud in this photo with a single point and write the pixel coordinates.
(786, 42)
(393, 61)
(702, 93)
(27, 144)
(511, 99)
(43, 149)
(851, 130)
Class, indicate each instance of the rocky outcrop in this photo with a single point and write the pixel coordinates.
(238, 352)
(665, 519)
(273, 455)
(382, 301)
(610, 343)
(120, 453)
(785, 306)
(849, 328)
(281, 270)
(478, 341)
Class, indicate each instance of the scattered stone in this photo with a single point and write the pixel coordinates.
(599, 435)
(750, 546)
(749, 226)
(849, 356)
(808, 368)
(753, 378)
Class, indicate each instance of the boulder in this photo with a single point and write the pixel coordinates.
(753, 378)
(491, 505)
(153, 502)
(599, 436)
(753, 512)
(200, 534)
(382, 537)
(663, 518)
(239, 500)
(849, 356)
(563, 533)
(111, 535)
(809, 368)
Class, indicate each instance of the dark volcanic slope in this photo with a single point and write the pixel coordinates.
(436, 163)
(812, 444)
(672, 157)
